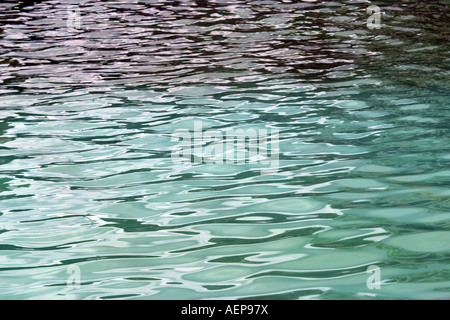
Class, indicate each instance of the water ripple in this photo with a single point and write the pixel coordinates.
(88, 183)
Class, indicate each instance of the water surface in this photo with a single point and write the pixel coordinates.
(87, 181)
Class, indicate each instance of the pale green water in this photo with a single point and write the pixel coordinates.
(87, 179)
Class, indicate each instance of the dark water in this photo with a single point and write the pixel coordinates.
(88, 185)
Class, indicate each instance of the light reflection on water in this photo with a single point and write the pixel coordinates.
(87, 177)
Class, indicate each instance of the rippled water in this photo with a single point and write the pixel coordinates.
(88, 183)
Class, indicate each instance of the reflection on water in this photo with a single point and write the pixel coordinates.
(87, 178)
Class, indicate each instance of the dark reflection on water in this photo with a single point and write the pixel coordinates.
(87, 115)
(184, 41)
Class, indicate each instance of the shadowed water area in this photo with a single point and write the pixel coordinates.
(88, 183)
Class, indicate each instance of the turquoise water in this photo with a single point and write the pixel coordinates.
(88, 185)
